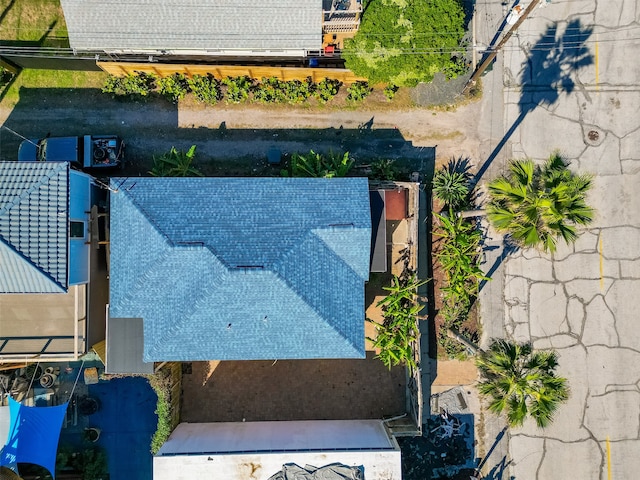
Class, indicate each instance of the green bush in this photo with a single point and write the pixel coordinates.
(175, 163)
(390, 91)
(451, 187)
(238, 88)
(319, 165)
(296, 91)
(205, 88)
(384, 169)
(326, 89)
(358, 91)
(174, 87)
(404, 42)
(160, 384)
(136, 86)
(269, 90)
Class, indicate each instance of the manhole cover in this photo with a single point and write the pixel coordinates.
(593, 135)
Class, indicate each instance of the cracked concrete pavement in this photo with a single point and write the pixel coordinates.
(583, 300)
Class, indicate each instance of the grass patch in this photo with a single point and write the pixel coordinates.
(38, 21)
(70, 79)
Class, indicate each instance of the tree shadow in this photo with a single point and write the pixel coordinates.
(508, 248)
(547, 74)
(488, 454)
(6, 10)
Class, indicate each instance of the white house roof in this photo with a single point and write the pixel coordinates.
(199, 25)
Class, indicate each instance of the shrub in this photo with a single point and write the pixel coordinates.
(135, 86)
(161, 384)
(175, 163)
(174, 87)
(451, 187)
(326, 89)
(319, 165)
(384, 169)
(269, 90)
(238, 88)
(390, 91)
(205, 88)
(296, 91)
(358, 91)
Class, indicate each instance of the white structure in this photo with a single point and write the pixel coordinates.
(258, 450)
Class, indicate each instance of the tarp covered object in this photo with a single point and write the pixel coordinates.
(334, 471)
(33, 436)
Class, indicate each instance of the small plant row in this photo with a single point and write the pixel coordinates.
(209, 90)
(398, 333)
(459, 255)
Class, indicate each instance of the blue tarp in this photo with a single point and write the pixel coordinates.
(33, 436)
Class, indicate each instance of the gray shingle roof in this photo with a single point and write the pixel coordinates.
(238, 269)
(34, 216)
(194, 24)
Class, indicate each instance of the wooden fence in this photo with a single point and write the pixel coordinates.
(120, 69)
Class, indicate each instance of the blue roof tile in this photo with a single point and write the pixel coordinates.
(34, 216)
(239, 269)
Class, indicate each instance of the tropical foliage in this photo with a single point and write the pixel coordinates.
(174, 87)
(459, 258)
(205, 88)
(451, 187)
(520, 382)
(537, 205)
(396, 336)
(319, 165)
(358, 91)
(384, 169)
(136, 87)
(404, 42)
(175, 163)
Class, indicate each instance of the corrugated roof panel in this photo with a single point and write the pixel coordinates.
(34, 202)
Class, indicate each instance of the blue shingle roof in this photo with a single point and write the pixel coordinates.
(34, 216)
(239, 269)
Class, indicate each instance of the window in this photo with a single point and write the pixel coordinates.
(76, 229)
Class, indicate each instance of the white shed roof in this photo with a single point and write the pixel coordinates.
(258, 450)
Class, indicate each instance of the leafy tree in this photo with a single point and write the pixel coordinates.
(404, 42)
(537, 205)
(175, 163)
(521, 382)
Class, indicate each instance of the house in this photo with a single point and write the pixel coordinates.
(241, 29)
(44, 260)
(259, 450)
(238, 268)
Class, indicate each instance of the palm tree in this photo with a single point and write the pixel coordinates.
(536, 205)
(521, 382)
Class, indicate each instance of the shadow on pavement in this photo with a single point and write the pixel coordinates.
(547, 73)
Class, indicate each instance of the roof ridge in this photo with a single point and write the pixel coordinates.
(311, 235)
(146, 215)
(194, 306)
(27, 191)
(38, 269)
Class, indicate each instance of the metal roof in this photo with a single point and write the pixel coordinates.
(34, 218)
(238, 269)
(124, 347)
(156, 25)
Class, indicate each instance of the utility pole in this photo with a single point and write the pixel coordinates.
(494, 50)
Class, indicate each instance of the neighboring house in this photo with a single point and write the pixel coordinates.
(237, 269)
(259, 450)
(44, 259)
(241, 29)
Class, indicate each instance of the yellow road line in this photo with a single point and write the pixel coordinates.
(601, 263)
(608, 459)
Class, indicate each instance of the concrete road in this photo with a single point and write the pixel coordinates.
(571, 83)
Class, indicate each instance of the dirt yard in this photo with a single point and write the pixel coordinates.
(292, 390)
(237, 137)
